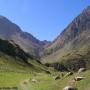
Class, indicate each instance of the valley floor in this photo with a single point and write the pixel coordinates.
(42, 81)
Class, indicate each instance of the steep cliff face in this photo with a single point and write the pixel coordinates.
(73, 43)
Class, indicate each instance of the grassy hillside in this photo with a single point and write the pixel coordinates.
(14, 59)
(8, 63)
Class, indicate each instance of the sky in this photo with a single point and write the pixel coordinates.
(44, 19)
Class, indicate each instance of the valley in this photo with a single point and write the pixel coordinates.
(27, 63)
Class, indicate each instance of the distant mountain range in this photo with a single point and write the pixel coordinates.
(70, 50)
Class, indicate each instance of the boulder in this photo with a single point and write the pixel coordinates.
(62, 74)
(69, 88)
(82, 70)
(69, 74)
(58, 77)
(34, 80)
(48, 72)
(79, 78)
(25, 82)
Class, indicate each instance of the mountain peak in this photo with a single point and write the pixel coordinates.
(75, 38)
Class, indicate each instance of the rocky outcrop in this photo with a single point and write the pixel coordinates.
(57, 66)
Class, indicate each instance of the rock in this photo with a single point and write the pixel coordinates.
(82, 70)
(48, 72)
(69, 88)
(69, 74)
(78, 78)
(34, 80)
(62, 74)
(58, 77)
(25, 82)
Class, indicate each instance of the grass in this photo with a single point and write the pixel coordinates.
(44, 81)
(12, 79)
(15, 73)
(8, 63)
(47, 82)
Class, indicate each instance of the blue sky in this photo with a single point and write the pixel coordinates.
(45, 19)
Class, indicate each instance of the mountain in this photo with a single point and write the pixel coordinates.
(14, 59)
(26, 41)
(71, 49)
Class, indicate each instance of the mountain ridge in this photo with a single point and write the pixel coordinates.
(10, 31)
(72, 44)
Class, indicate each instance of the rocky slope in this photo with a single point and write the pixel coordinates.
(72, 47)
(26, 41)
